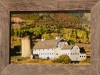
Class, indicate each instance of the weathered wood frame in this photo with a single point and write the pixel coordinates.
(6, 6)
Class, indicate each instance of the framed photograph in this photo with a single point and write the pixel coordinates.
(50, 37)
(49, 13)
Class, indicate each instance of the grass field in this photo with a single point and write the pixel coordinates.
(24, 60)
(27, 60)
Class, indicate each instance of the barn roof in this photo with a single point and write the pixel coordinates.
(67, 47)
(47, 44)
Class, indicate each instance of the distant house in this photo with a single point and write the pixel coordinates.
(52, 49)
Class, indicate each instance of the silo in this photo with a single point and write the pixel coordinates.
(26, 46)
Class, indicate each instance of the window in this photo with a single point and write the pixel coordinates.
(52, 53)
(56, 53)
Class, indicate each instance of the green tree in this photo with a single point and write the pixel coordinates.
(46, 36)
(12, 31)
(37, 31)
(68, 34)
(71, 42)
(15, 32)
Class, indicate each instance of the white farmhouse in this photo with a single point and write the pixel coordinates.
(52, 49)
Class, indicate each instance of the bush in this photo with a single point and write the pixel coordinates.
(63, 59)
(85, 61)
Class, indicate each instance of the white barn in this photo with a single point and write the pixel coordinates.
(52, 49)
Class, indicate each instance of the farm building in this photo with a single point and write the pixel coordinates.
(52, 49)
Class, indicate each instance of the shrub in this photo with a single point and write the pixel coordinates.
(63, 59)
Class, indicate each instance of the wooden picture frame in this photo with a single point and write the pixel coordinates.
(6, 6)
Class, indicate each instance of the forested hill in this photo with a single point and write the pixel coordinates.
(71, 26)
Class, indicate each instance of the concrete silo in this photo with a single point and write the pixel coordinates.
(26, 46)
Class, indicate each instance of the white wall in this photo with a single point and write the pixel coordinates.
(82, 56)
(60, 52)
(56, 53)
(76, 55)
(67, 51)
(44, 53)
